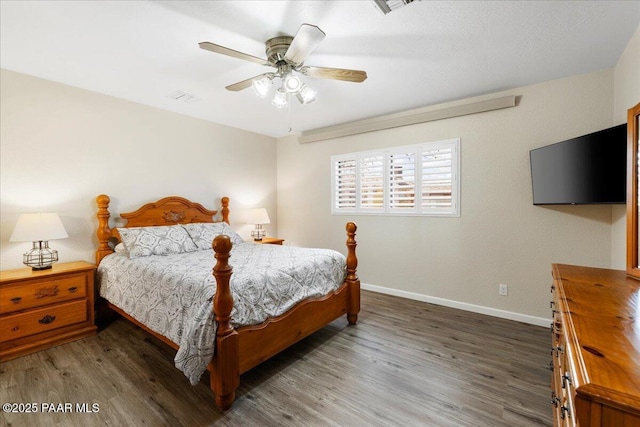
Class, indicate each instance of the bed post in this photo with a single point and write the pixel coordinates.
(103, 232)
(225, 365)
(352, 278)
(225, 209)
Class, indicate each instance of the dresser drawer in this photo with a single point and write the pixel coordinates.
(42, 292)
(34, 321)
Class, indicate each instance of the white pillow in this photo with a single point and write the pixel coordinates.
(203, 233)
(160, 240)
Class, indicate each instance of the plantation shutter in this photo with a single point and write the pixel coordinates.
(345, 189)
(421, 179)
(372, 181)
(402, 180)
(437, 174)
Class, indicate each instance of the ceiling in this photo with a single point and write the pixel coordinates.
(424, 53)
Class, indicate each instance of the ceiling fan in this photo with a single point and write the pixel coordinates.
(287, 55)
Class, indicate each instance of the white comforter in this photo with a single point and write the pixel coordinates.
(172, 294)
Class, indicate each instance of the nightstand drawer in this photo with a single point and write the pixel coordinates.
(42, 292)
(43, 319)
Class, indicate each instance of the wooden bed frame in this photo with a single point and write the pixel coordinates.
(236, 350)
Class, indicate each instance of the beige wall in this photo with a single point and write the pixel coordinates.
(499, 238)
(62, 146)
(626, 85)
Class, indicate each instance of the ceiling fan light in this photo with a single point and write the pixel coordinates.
(280, 100)
(261, 86)
(306, 95)
(292, 83)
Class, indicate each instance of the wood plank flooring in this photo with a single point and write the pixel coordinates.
(405, 363)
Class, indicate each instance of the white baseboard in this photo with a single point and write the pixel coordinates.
(510, 315)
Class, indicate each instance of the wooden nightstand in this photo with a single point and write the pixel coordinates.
(41, 309)
(270, 241)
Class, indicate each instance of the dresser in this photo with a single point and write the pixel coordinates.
(40, 309)
(595, 347)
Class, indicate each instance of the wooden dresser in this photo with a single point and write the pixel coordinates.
(40, 309)
(595, 347)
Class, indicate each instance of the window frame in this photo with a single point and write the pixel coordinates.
(387, 209)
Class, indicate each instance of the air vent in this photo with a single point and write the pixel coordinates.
(184, 97)
(386, 6)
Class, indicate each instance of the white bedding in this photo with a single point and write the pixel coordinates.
(172, 294)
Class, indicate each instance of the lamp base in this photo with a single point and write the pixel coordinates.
(258, 233)
(40, 257)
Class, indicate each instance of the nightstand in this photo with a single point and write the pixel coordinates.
(41, 309)
(270, 241)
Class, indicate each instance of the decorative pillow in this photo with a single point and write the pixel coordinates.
(203, 233)
(160, 240)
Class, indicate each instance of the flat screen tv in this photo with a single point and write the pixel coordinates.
(590, 169)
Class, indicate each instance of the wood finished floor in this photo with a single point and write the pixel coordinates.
(406, 363)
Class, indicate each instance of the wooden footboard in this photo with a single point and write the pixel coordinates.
(238, 350)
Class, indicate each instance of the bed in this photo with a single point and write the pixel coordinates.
(237, 345)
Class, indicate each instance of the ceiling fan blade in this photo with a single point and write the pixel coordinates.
(244, 83)
(356, 76)
(305, 40)
(211, 47)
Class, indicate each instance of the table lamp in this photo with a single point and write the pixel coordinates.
(258, 217)
(39, 228)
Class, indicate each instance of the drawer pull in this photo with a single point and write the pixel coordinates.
(16, 300)
(554, 399)
(47, 319)
(565, 410)
(566, 378)
(73, 289)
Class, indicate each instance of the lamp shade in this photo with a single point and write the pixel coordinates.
(34, 227)
(258, 216)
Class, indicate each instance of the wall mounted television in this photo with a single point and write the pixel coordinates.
(590, 169)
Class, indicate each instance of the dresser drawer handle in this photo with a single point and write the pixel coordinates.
(566, 378)
(16, 300)
(73, 289)
(565, 412)
(47, 319)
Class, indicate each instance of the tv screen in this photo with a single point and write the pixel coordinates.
(590, 169)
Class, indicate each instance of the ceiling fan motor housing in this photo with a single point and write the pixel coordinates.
(277, 48)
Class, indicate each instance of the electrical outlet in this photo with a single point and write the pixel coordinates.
(503, 290)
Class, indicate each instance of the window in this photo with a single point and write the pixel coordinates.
(412, 180)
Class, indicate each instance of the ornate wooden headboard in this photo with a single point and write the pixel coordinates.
(168, 211)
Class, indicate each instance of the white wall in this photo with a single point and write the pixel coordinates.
(62, 146)
(626, 86)
(500, 237)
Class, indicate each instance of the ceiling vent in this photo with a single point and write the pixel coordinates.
(181, 96)
(386, 6)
